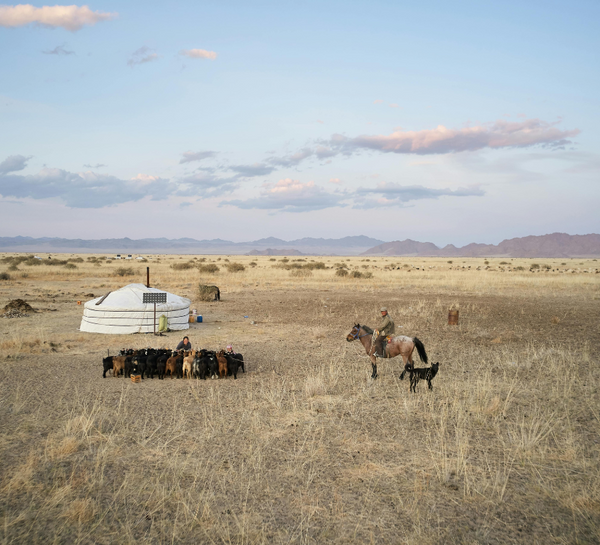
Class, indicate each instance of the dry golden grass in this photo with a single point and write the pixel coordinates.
(305, 447)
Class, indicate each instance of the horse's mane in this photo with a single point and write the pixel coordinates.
(367, 329)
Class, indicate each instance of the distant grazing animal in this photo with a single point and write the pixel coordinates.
(118, 365)
(399, 345)
(179, 365)
(233, 364)
(222, 364)
(161, 366)
(213, 364)
(107, 363)
(200, 367)
(128, 366)
(426, 373)
(235, 356)
(188, 363)
(171, 367)
(151, 363)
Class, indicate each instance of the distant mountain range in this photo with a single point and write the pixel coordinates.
(554, 245)
(314, 246)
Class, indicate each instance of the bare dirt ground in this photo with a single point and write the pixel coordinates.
(305, 447)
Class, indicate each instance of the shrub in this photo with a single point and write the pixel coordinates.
(319, 265)
(4, 276)
(485, 262)
(235, 267)
(124, 271)
(356, 274)
(24, 275)
(341, 272)
(503, 262)
(70, 266)
(32, 262)
(76, 260)
(519, 268)
(535, 266)
(450, 262)
(301, 273)
(211, 268)
(13, 267)
(272, 259)
(284, 260)
(182, 266)
(253, 263)
(367, 275)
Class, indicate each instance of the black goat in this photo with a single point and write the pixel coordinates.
(107, 363)
(425, 373)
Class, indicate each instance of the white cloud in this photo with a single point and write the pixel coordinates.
(291, 196)
(392, 105)
(68, 17)
(198, 54)
(335, 181)
(142, 55)
(378, 101)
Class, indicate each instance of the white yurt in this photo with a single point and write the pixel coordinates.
(123, 311)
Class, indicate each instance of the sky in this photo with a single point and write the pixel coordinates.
(447, 122)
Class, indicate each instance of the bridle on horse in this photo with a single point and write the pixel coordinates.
(356, 335)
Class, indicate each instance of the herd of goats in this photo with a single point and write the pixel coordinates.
(149, 362)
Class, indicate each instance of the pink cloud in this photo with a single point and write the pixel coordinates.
(198, 54)
(68, 17)
(501, 134)
(377, 101)
(393, 105)
(288, 185)
(335, 181)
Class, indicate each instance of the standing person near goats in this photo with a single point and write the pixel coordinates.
(386, 327)
(185, 344)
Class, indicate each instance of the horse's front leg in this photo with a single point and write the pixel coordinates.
(374, 375)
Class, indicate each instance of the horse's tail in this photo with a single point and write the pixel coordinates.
(420, 350)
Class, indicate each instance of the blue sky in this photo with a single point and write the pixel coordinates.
(451, 122)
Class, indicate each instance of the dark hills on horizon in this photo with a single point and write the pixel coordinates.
(552, 245)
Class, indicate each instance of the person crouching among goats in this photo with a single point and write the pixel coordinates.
(386, 327)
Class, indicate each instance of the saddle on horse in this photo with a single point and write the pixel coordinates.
(380, 342)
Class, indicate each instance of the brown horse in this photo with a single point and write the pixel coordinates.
(398, 346)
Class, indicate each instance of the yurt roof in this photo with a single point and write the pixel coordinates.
(123, 311)
(131, 297)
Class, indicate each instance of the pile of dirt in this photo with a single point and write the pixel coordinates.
(14, 314)
(18, 305)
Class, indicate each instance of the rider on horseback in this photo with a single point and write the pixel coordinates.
(386, 327)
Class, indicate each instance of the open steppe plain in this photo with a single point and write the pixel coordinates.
(305, 447)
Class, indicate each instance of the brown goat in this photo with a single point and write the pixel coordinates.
(187, 363)
(222, 364)
(118, 365)
(171, 366)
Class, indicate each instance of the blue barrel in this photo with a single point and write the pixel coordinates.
(199, 319)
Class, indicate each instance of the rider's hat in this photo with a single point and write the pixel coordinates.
(383, 309)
